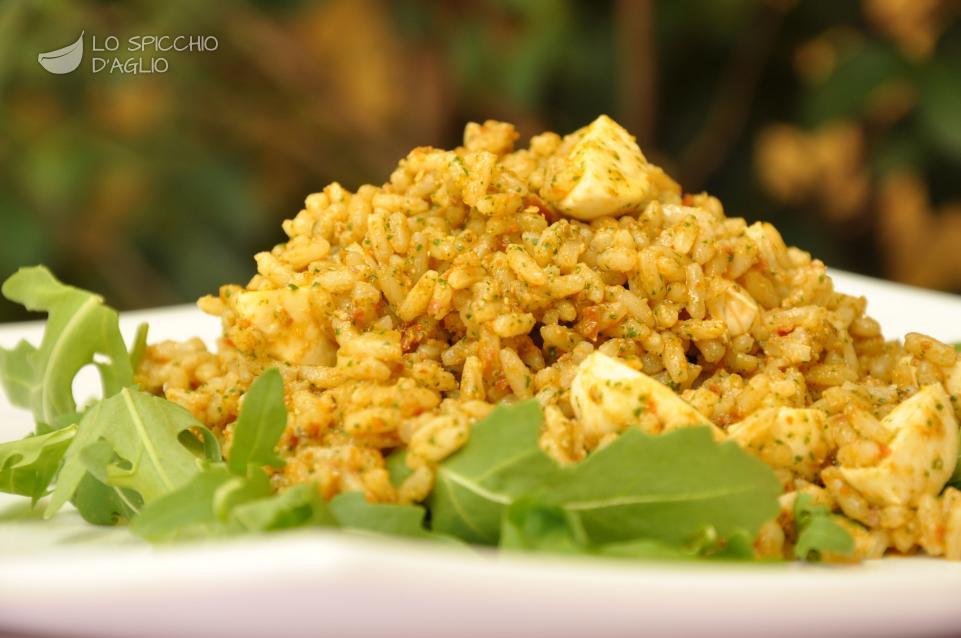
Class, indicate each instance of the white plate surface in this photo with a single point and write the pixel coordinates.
(64, 578)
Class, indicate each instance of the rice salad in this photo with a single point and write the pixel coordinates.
(577, 273)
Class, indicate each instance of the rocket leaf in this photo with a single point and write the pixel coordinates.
(295, 506)
(529, 525)
(188, 512)
(236, 497)
(352, 511)
(262, 420)
(80, 330)
(143, 433)
(27, 466)
(500, 463)
(667, 488)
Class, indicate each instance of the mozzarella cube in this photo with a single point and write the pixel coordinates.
(923, 451)
(599, 170)
(790, 438)
(609, 396)
(285, 320)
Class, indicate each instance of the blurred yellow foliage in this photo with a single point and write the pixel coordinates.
(922, 244)
(824, 168)
(129, 108)
(914, 24)
(816, 59)
(358, 56)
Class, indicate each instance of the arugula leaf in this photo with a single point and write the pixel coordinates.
(500, 463)
(260, 424)
(818, 531)
(239, 490)
(297, 506)
(27, 466)
(738, 547)
(530, 525)
(217, 502)
(79, 327)
(668, 487)
(646, 549)
(139, 347)
(352, 511)
(142, 430)
(236, 497)
(188, 512)
(16, 372)
(397, 468)
(101, 504)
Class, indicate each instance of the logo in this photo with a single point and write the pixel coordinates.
(137, 54)
(65, 60)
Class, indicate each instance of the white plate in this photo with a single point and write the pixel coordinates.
(65, 578)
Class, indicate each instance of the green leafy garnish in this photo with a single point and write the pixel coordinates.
(646, 549)
(632, 489)
(818, 531)
(139, 348)
(397, 469)
(260, 424)
(635, 488)
(217, 502)
(235, 496)
(27, 466)
(532, 526)
(101, 504)
(137, 437)
(352, 511)
(188, 512)
(80, 330)
(500, 463)
(296, 506)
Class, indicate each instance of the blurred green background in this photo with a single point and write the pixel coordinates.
(840, 122)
